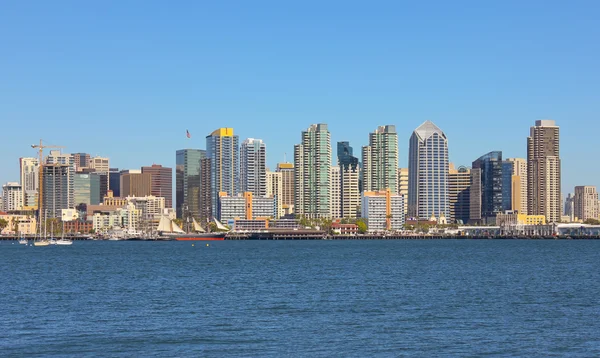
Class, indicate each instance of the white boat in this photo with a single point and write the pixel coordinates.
(23, 241)
(41, 243)
(63, 241)
(52, 241)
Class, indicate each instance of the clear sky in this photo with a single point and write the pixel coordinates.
(125, 79)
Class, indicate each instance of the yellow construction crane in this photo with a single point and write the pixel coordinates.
(40, 147)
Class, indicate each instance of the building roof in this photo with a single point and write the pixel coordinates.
(427, 129)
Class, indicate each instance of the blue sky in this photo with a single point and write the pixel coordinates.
(125, 79)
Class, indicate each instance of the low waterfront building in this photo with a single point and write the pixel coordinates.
(344, 229)
(509, 218)
(383, 211)
(18, 224)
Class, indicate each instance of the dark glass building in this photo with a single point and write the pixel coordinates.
(188, 183)
(114, 181)
(507, 172)
(346, 159)
(487, 188)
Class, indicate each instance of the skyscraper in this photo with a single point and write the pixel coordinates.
(12, 197)
(288, 187)
(519, 185)
(487, 188)
(349, 176)
(136, 184)
(403, 187)
(57, 183)
(380, 160)
(312, 159)
(188, 182)
(428, 173)
(86, 189)
(335, 192)
(222, 148)
(30, 177)
(81, 161)
(253, 167)
(275, 190)
(114, 181)
(586, 203)
(161, 182)
(544, 173)
(459, 185)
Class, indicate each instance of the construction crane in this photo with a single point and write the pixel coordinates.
(40, 147)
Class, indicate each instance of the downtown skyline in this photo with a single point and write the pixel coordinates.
(273, 158)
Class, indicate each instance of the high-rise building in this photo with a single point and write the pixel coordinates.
(312, 162)
(487, 188)
(30, 177)
(288, 187)
(57, 184)
(222, 148)
(428, 173)
(544, 173)
(114, 181)
(162, 182)
(136, 184)
(12, 196)
(570, 207)
(519, 185)
(193, 185)
(586, 203)
(86, 189)
(350, 194)
(100, 164)
(383, 210)
(403, 187)
(275, 190)
(253, 167)
(335, 192)
(507, 185)
(57, 189)
(380, 160)
(459, 184)
(81, 161)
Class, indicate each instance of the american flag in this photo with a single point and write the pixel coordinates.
(187, 133)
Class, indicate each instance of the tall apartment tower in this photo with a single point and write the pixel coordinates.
(12, 197)
(30, 177)
(586, 203)
(161, 182)
(288, 187)
(428, 173)
(519, 184)
(459, 186)
(190, 177)
(544, 173)
(222, 148)
(58, 177)
(350, 195)
(275, 190)
(312, 162)
(380, 160)
(253, 167)
(403, 187)
(335, 192)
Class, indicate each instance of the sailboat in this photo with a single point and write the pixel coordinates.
(42, 240)
(52, 239)
(170, 229)
(63, 241)
(23, 241)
